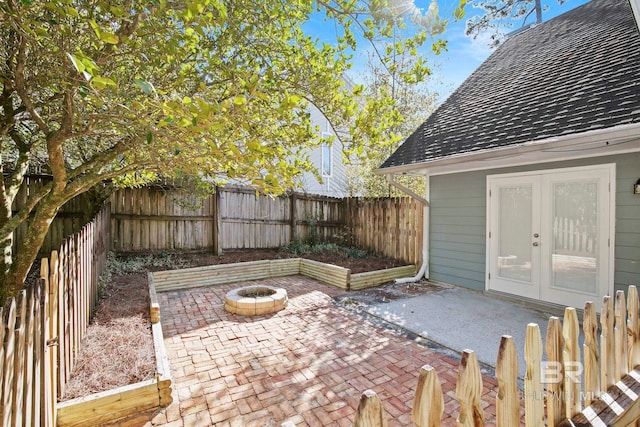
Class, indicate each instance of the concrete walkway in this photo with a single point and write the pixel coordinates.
(460, 319)
(307, 364)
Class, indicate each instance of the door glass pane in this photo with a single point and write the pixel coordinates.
(575, 236)
(514, 256)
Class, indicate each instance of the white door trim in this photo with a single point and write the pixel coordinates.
(610, 169)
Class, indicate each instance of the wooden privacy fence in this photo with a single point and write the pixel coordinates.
(251, 220)
(158, 219)
(605, 380)
(389, 226)
(41, 330)
(71, 217)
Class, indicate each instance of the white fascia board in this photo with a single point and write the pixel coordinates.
(596, 143)
(635, 7)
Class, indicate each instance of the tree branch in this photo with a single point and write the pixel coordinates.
(23, 214)
(100, 160)
(21, 89)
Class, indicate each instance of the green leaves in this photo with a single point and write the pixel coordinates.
(99, 82)
(104, 35)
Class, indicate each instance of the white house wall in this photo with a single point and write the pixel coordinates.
(458, 222)
(336, 184)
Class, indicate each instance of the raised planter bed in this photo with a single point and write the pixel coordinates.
(123, 402)
(375, 278)
(164, 281)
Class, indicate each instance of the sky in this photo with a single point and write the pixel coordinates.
(463, 55)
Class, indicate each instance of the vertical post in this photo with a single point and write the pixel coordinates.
(555, 389)
(469, 391)
(53, 319)
(428, 402)
(591, 355)
(217, 226)
(607, 348)
(533, 394)
(370, 412)
(620, 337)
(292, 217)
(571, 361)
(508, 398)
(633, 327)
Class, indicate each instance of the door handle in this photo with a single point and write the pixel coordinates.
(536, 244)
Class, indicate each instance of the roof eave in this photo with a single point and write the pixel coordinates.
(635, 6)
(490, 158)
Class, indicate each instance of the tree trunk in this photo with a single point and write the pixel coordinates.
(36, 233)
(6, 242)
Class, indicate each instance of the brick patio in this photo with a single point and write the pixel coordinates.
(307, 364)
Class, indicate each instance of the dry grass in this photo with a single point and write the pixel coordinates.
(118, 347)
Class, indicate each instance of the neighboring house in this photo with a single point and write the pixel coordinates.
(531, 163)
(328, 160)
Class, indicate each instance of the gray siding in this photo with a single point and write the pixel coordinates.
(458, 222)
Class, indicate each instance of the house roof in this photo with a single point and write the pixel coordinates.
(575, 73)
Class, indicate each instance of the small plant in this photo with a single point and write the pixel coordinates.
(300, 248)
(312, 221)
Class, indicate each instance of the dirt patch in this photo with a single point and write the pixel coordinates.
(372, 262)
(118, 347)
(386, 293)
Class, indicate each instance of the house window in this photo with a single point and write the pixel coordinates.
(327, 157)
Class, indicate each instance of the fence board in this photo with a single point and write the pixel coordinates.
(8, 362)
(607, 347)
(571, 361)
(508, 398)
(469, 391)
(555, 389)
(633, 327)
(428, 402)
(591, 354)
(620, 337)
(534, 409)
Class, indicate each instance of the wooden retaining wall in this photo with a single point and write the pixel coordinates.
(375, 278)
(326, 273)
(165, 281)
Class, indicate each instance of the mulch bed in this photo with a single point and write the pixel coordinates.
(118, 347)
(357, 265)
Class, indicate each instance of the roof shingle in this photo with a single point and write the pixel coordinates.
(577, 72)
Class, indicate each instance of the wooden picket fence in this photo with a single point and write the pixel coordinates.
(42, 328)
(573, 238)
(71, 217)
(609, 370)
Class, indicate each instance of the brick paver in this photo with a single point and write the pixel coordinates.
(307, 364)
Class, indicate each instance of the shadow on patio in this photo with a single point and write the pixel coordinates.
(307, 364)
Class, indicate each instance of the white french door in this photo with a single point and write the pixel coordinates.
(549, 234)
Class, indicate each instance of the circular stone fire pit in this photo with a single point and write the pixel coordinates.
(255, 300)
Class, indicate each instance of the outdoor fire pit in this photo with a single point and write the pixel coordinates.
(255, 300)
